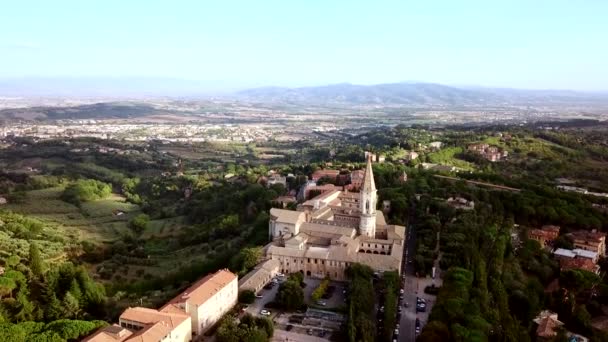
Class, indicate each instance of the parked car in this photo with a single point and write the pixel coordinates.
(309, 331)
(289, 327)
(322, 303)
(265, 312)
(257, 295)
(280, 275)
(417, 322)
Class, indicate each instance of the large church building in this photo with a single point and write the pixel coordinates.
(333, 230)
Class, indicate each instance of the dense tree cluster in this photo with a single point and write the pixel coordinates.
(361, 321)
(247, 329)
(290, 295)
(84, 190)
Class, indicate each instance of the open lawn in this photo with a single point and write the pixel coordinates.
(446, 156)
(99, 221)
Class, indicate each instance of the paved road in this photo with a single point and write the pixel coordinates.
(414, 287)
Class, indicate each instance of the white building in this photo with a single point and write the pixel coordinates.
(207, 300)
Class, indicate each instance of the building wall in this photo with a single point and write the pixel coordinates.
(313, 267)
(182, 333)
(279, 228)
(215, 307)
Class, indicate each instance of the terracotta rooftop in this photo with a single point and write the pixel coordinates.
(205, 288)
(551, 228)
(155, 332)
(547, 326)
(150, 316)
(111, 333)
(578, 263)
(588, 236)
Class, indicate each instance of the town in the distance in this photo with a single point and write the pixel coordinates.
(126, 221)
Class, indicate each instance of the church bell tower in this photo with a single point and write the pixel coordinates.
(367, 203)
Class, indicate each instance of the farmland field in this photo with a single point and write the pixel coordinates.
(102, 220)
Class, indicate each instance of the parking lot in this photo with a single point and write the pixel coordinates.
(300, 326)
(336, 300)
(268, 296)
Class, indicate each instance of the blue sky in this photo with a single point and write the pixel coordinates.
(558, 44)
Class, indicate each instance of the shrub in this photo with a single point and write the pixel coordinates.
(320, 290)
(85, 190)
(246, 297)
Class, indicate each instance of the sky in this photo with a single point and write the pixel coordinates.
(532, 44)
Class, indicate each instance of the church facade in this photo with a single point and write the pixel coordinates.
(328, 233)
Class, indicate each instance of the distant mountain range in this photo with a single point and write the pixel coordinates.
(419, 94)
(411, 94)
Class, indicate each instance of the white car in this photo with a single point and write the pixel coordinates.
(265, 313)
(280, 275)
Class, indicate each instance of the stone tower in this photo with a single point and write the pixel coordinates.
(367, 203)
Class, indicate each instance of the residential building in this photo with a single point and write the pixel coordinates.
(276, 179)
(284, 201)
(436, 145)
(207, 300)
(356, 178)
(590, 241)
(146, 325)
(460, 203)
(191, 313)
(411, 156)
(579, 264)
(576, 253)
(548, 325)
(491, 153)
(545, 236)
(150, 324)
(259, 276)
(330, 174)
(334, 230)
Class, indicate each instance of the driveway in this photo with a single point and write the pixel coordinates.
(267, 297)
(414, 287)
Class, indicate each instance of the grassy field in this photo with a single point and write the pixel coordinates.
(446, 156)
(164, 227)
(94, 221)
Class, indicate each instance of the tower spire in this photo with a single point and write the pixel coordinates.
(368, 177)
(367, 203)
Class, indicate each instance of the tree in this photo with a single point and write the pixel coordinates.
(35, 260)
(246, 297)
(139, 223)
(290, 295)
(266, 324)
